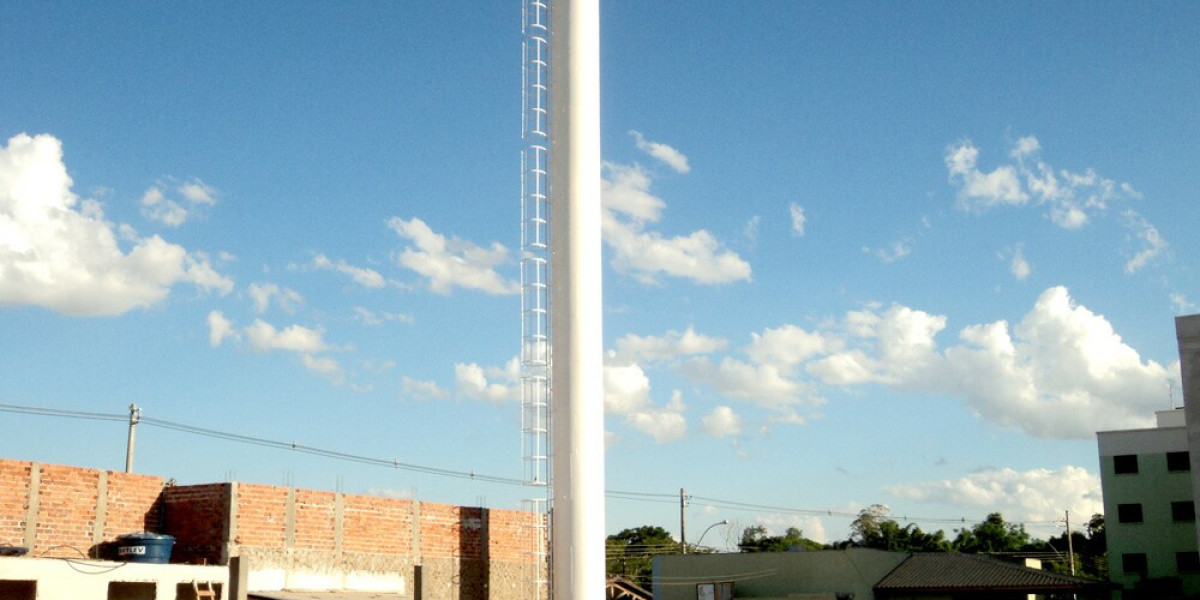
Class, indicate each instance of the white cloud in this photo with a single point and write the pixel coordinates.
(286, 298)
(324, 366)
(979, 190)
(156, 206)
(764, 385)
(368, 278)
(1152, 244)
(1019, 266)
(893, 253)
(627, 394)
(722, 422)
(296, 338)
(750, 231)
(777, 524)
(60, 253)
(668, 346)
(672, 157)
(663, 424)
(422, 390)
(1036, 495)
(1071, 198)
(629, 207)
(197, 192)
(1182, 305)
(798, 219)
(264, 337)
(450, 263)
(493, 384)
(786, 346)
(219, 328)
(375, 318)
(1062, 372)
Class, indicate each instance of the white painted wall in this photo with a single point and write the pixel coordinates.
(77, 578)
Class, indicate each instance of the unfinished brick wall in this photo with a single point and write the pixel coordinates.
(377, 525)
(73, 509)
(134, 503)
(198, 517)
(445, 552)
(14, 494)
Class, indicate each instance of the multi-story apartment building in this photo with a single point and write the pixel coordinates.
(1151, 480)
(1150, 516)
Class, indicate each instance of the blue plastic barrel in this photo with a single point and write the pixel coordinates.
(145, 547)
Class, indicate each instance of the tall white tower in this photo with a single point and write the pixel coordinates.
(571, 351)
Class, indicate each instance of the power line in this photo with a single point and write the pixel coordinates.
(651, 497)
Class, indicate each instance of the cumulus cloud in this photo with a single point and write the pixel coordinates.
(450, 262)
(722, 421)
(368, 278)
(1071, 198)
(1062, 372)
(786, 346)
(1019, 266)
(491, 384)
(627, 394)
(798, 219)
(646, 254)
(667, 347)
(1036, 495)
(307, 343)
(219, 328)
(421, 390)
(264, 337)
(765, 385)
(60, 253)
(157, 206)
(672, 157)
(979, 190)
(262, 294)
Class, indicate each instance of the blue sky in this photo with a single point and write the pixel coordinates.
(907, 254)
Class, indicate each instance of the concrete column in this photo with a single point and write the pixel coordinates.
(416, 532)
(229, 547)
(239, 576)
(31, 513)
(101, 508)
(1187, 331)
(339, 523)
(289, 520)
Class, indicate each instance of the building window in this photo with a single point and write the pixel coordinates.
(719, 590)
(1129, 513)
(1125, 464)
(1183, 512)
(1187, 562)
(1178, 462)
(1134, 564)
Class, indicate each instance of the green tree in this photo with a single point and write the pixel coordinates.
(630, 552)
(755, 539)
(873, 529)
(992, 535)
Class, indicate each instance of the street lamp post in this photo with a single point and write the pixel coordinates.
(707, 529)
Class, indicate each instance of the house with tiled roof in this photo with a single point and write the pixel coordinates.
(955, 575)
(859, 574)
